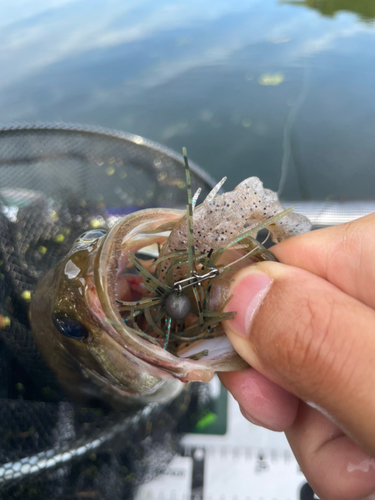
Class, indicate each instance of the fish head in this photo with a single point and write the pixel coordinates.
(71, 317)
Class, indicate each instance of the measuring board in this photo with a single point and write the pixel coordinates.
(239, 462)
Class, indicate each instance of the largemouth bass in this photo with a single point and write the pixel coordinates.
(122, 329)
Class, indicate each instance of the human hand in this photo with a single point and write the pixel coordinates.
(307, 329)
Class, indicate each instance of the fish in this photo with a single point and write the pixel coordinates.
(132, 314)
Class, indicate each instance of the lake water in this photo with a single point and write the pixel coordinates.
(255, 87)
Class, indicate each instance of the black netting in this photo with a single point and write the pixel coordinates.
(55, 183)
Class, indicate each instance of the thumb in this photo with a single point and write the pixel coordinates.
(306, 335)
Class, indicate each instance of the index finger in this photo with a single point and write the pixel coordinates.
(343, 255)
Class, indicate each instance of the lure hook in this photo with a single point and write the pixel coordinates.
(194, 280)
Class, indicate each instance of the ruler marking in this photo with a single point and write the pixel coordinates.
(229, 473)
(197, 477)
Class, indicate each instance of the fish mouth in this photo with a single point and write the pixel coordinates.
(142, 235)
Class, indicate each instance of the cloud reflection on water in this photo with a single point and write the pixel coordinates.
(43, 34)
(157, 68)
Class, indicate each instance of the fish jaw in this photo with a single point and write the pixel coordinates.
(129, 374)
(110, 262)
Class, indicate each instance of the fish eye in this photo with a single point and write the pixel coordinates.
(70, 327)
(93, 234)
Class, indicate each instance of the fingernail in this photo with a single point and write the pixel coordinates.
(248, 295)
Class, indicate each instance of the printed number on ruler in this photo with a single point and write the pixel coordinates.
(253, 474)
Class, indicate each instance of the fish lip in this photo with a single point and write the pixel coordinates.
(106, 270)
(113, 384)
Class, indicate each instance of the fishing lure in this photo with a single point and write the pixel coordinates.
(176, 306)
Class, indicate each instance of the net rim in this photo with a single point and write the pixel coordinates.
(108, 132)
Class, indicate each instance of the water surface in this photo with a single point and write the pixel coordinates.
(247, 86)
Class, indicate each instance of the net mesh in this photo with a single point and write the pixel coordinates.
(55, 183)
